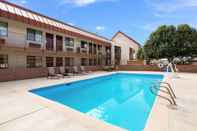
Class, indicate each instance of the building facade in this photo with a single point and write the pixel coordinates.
(30, 42)
(124, 49)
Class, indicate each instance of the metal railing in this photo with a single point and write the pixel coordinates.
(19, 39)
(166, 89)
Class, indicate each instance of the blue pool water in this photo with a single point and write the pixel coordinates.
(121, 99)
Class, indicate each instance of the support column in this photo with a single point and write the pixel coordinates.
(64, 47)
(54, 42)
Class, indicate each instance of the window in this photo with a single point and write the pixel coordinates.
(59, 61)
(49, 61)
(59, 43)
(3, 61)
(69, 61)
(131, 53)
(108, 55)
(94, 49)
(49, 41)
(84, 44)
(34, 61)
(69, 42)
(3, 29)
(90, 48)
(34, 35)
(99, 48)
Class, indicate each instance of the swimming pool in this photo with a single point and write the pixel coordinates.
(121, 99)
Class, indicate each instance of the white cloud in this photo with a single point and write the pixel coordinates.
(173, 9)
(167, 7)
(23, 2)
(20, 2)
(80, 3)
(153, 26)
(100, 28)
(150, 26)
(70, 23)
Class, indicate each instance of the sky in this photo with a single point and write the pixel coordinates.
(136, 18)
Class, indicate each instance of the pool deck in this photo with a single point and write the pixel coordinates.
(24, 111)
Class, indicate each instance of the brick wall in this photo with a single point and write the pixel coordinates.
(29, 73)
(138, 68)
(135, 62)
(22, 73)
(182, 68)
(93, 68)
(187, 68)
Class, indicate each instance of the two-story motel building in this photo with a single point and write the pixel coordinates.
(30, 42)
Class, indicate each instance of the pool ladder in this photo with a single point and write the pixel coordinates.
(168, 90)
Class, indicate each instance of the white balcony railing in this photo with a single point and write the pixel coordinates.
(19, 39)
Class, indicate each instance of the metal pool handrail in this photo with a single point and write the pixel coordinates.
(170, 87)
(168, 91)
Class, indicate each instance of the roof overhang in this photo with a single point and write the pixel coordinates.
(18, 13)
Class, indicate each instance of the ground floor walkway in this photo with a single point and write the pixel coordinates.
(21, 110)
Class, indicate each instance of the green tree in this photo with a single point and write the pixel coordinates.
(186, 39)
(170, 41)
(140, 54)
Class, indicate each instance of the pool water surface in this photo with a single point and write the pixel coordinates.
(121, 99)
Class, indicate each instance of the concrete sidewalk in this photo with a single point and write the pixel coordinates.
(22, 111)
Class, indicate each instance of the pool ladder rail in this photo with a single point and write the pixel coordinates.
(165, 88)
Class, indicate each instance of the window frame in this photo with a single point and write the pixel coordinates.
(67, 42)
(34, 35)
(4, 62)
(6, 26)
(58, 63)
(49, 41)
(35, 61)
(69, 61)
(84, 44)
(51, 62)
(131, 53)
(90, 48)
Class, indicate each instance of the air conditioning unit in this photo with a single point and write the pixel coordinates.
(69, 49)
(34, 45)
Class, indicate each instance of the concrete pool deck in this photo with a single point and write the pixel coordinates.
(22, 111)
